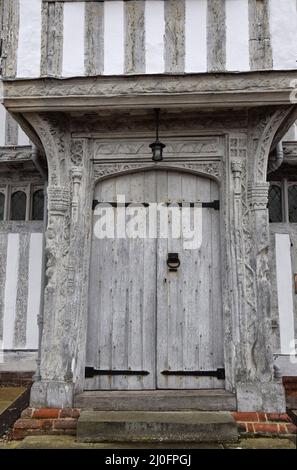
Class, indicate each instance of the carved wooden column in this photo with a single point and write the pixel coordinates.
(261, 390)
(256, 387)
(67, 251)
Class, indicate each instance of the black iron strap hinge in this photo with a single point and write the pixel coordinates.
(91, 372)
(207, 205)
(219, 373)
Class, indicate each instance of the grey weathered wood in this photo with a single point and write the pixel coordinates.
(216, 36)
(157, 400)
(260, 43)
(187, 315)
(134, 36)
(125, 299)
(52, 39)
(174, 36)
(3, 256)
(10, 35)
(19, 340)
(132, 296)
(11, 130)
(94, 31)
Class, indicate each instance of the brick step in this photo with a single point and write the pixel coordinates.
(142, 426)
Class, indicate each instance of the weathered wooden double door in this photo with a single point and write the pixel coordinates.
(150, 327)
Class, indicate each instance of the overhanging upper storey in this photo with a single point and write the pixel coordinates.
(64, 38)
(225, 90)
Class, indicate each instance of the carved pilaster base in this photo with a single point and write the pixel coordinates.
(268, 397)
(52, 394)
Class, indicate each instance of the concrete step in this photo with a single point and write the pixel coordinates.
(152, 426)
(156, 400)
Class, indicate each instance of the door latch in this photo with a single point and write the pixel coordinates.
(173, 262)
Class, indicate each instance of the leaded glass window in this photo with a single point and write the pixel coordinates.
(275, 204)
(37, 205)
(2, 204)
(292, 200)
(18, 205)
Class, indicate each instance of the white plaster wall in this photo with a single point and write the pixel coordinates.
(73, 39)
(154, 36)
(11, 280)
(29, 43)
(282, 19)
(34, 290)
(284, 279)
(2, 124)
(114, 38)
(195, 36)
(23, 139)
(283, 28)
(237, 35)
(30, 296)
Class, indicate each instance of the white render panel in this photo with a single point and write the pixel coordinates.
(284, 291)
(114, 38)
(73, 39)
(29, 45)
(10, 294)
(237, 35)
(2, 125)
(34, 290)
(23, 139)
(283, 30)
(196, 36)
(154, 36)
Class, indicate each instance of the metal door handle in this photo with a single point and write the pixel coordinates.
(173, 261)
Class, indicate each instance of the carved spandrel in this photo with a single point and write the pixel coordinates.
(184, 148)
(104, 170)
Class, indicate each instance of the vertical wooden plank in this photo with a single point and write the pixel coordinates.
(216, 298)
(149, 326)
(3, 262)
(94, 38)
(134, 36)
(10, 34)
(188, 288)
(19, 337)
(52, 39)
(174, 36)
(11, 130)
(259, 31)
(163, 320)
(175, 286)
(3, 116)
(216, 36)
(204, 268)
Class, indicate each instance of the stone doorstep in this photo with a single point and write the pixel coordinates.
(63, 422)
(150, 426)
(156, 400)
